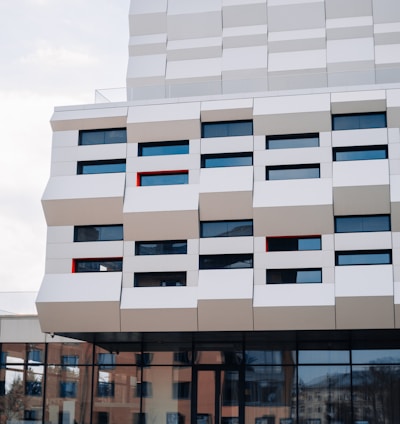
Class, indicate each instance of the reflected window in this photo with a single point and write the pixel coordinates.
(101, 166)
(226, 129)
(144, 359)
(363, 257)
(163, 178)
(292, 172)
(239, 228)
(284, 244)
(362, 223)
(181, 390)
(84, 233)
(180, 147)
(163, 247)
(109, 136)
(106, 361)
(33, 388)
(144, 389)
(292, 141)
(222, 160)
(360, 153)
(68, 389)
(69, 361)
(105, 389)
(35, 355)
(230, 261)
(356, 121)
(294, 276)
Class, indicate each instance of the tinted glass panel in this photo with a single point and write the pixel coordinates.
(97, 265)
(165, 247)
(98, 233)
(374, 257)
(359, 121)
(292, 141)
(111, 136)
(226, 228)
(356, 224)
(226, 129)
(376, 356)
(226, 261)
(226, 159)
(164, 179)
(101, 166)
(360, 153)
(276, 244)
(160, 279)
(164, 148)
(324, 357)
(292, 276)
(291, 172)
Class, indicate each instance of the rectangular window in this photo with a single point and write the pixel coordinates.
(360, 153)
(363, 257)
(109, 136)
(292, 141)
(362, 223)
(144, 359)
(106, 361)
(292, 172)
(226, 160)
(240, 228)
(144, 389)
(180, 147)
(98, 232)
(294, 276)
(35, 355)
(68, 389)
(105, 389)
(69, 361)
(164, 247)
(226, 129)
(229, 261)
(101, 166)
(181, 390)
(163, 178)
(283, 244)
(160, 279)
(356, 121)
(33, 388)
(97, 265)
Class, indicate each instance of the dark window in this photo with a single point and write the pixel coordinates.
(182, 357)
(97, 265)
(144, 389)
(3, 359)
(98, 232)
(181, 390)
(164, 247)
(106, 361)
(357, 121)
(101, 166)
(360, 153)
(363, 257)
(281, 244)
(2, 388)
(110, 136)
(240, 228)
(68, 389)
(292, 141)
(226, 129)
(105, 389)
(33, 388)
(69, 361)
(226, 159)
(362, 223)
(102, 417)
(144, 359)
(139, 418)
(292, 172)
(163, 178)
(294, 276)
(229, 261)
(160, 279)
(164, 148)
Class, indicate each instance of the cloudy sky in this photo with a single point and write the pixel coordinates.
(53, 53)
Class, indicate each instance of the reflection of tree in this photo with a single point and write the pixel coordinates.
(12, 403)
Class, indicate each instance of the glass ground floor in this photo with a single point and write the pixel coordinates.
(311, 377)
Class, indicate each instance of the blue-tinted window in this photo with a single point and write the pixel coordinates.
(363, 257)
(98, 265)
(69, 360)
(226, 159)
(238, 228)
(282, 244)
(324, 357)
(360, 153)
(164, 247)
(357, 121)
(294, 276)
(105, 389)
(68, 389)
(292, 141)
(98, 232)
(226, 129)
(165, 178)
(292, 172)
(362, 223)
(180, 147)
(33, 388)
(229, 261)
(35, 355)
(376, 356)
(144, 389)
(109, 136)
(106, 361)
(101, 166)
(160, 279)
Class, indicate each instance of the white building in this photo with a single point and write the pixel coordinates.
(245, 201)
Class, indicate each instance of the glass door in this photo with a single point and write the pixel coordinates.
(217, 396)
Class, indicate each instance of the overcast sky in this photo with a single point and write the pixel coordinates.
(53, 53)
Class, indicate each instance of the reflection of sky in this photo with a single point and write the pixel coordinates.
(15, 373)
(315, 375)
(377, 356)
